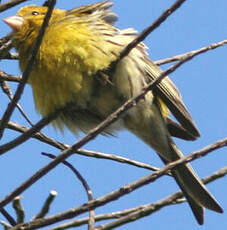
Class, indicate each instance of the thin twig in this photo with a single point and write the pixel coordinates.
(9, 4)
(83, 152)
(85, 185)
(5, 225)
(119, 192)
(6, 89)
(92, 134)
(18, 209)
(46, 206)
(25, 136)
(8, 77)
(148, 209)
(8, 217)
(198, 51)
(5, 45)
(151, 28)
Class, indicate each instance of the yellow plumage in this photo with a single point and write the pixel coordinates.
(77, 45)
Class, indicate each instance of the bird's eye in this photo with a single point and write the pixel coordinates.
(35, 12)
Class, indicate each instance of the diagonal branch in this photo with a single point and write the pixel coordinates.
(88, 153)
(198, 51)
(151, 208)
(85, 185)
(151, 28)
(7, 90)
(148, 209)
(9, 4)
(7, 77)
(117, 193)
(92, 134)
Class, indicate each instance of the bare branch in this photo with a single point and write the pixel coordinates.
(117, 193)
(6, 89)
(92, 134)
(7, 77)
(152, 27)
(85, 185)
(8, 217)
(194, 52)
(83, 152)
(148, 209)
(18, 209)
(9, 4)
(68, 151)
(5, 45)
(25, 136)
(46, 206)
(5, 225)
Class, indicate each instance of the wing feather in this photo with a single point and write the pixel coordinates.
(100, 10)
(112, 37)
(169, 93)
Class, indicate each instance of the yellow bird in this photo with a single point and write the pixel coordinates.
(77, 45)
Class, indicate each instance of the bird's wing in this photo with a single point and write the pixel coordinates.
(170, 95)
(100, 9)
(165, 90)
(176, 130)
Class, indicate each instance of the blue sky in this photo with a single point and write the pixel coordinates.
(202, 83)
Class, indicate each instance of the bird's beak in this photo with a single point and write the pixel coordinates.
(15, 22)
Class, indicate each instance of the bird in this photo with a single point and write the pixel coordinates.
(72, 70)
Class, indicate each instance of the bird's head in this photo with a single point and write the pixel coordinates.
(27, 22)
(31, 17)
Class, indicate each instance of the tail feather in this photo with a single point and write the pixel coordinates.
(196, 208)
(193, 186)
(154, 132)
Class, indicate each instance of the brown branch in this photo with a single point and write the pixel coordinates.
(156, 83)
(27, 71)
(46, 206)
(8, 217)
(6, 89)
(25, 136)
(9, 4)
(85, 185)
(83, 152)
(7, 77)
(92, 134)
(5, 45)
(198, 51)
(148, 30)
(39, 136)
(148, 209)
(5, 225)
(117, 193)
(18, 209)
(4, 49)
(116, 158)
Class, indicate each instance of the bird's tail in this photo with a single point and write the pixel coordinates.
(193, 188)
(148, 124)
